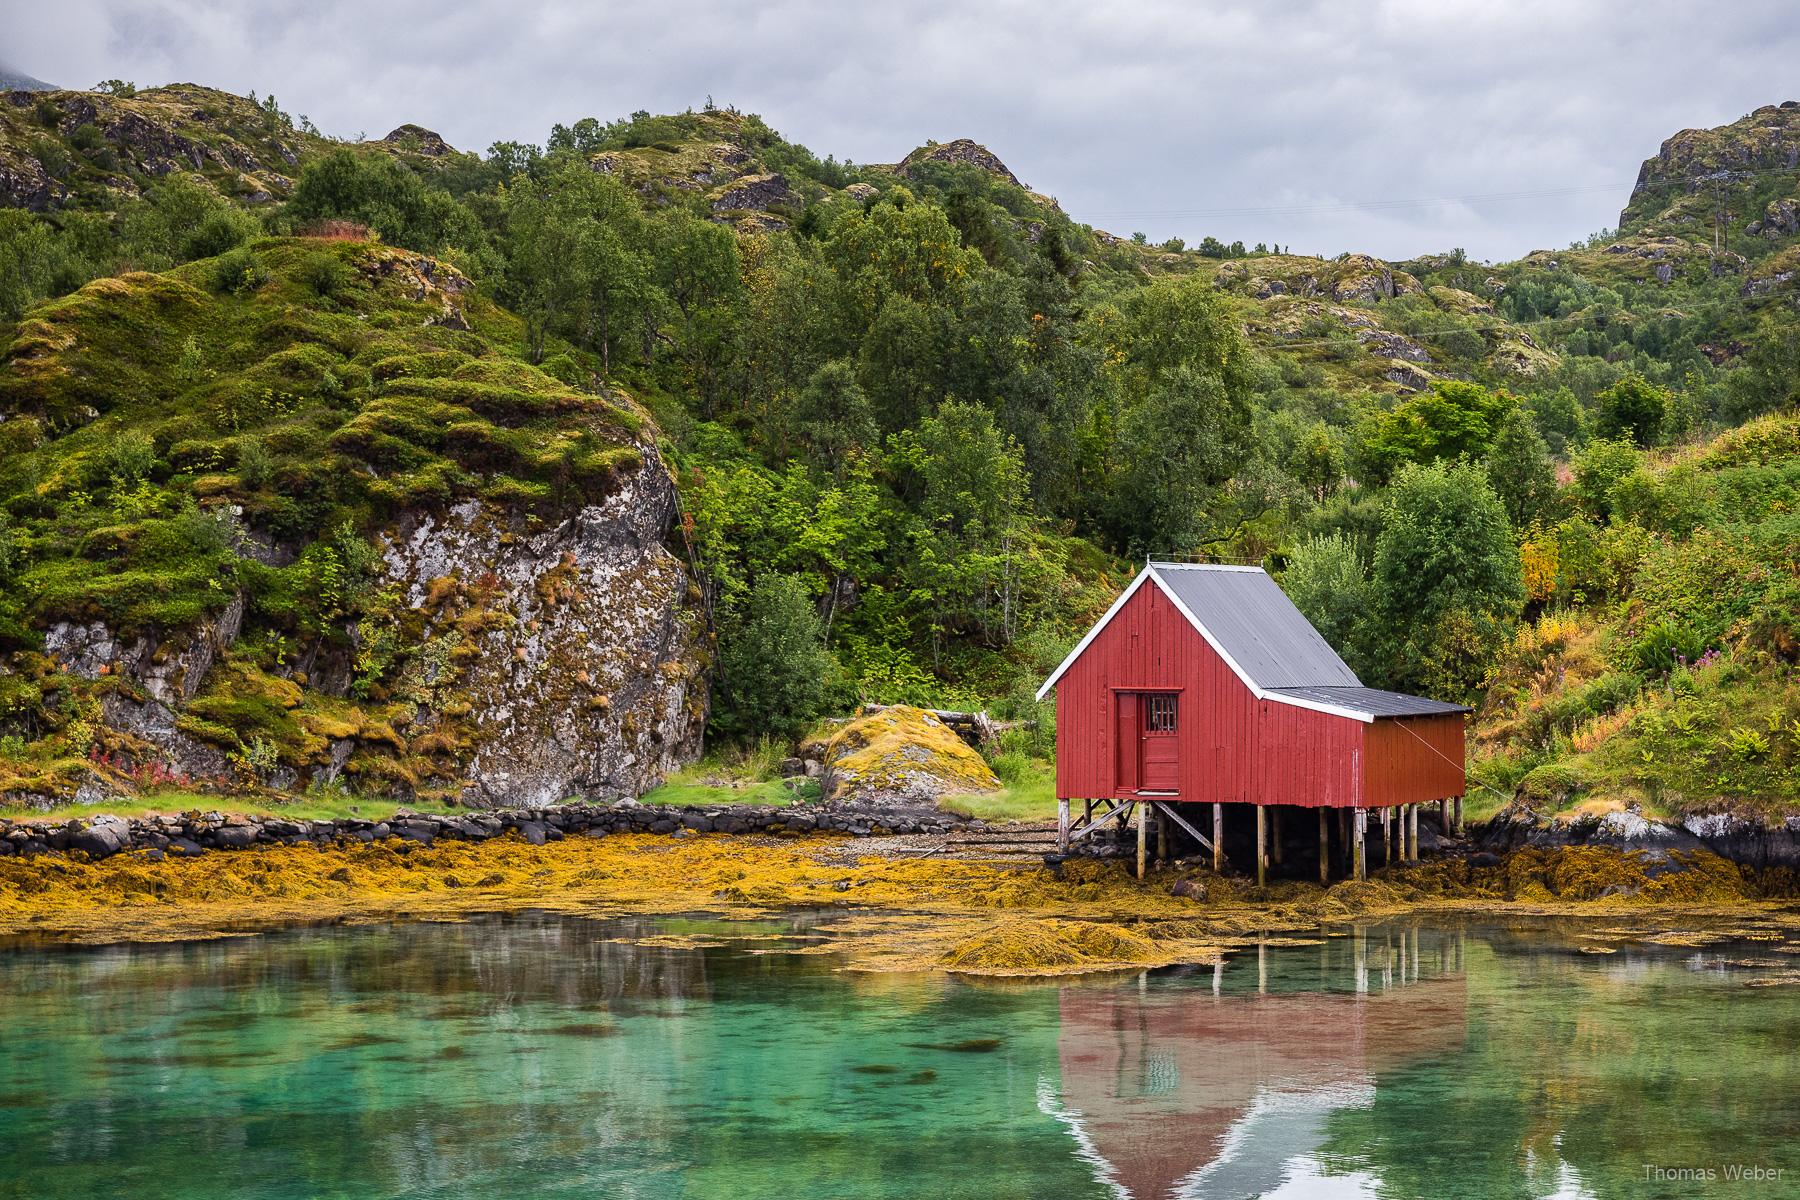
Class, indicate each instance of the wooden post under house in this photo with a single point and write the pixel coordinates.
(1324, 847)
(1262, 848)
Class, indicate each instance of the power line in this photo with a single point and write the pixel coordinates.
(1541, 323)
(1352, 205)
(1396, 203)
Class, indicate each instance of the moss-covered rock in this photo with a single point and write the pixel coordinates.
(265, 539)
(901, 753)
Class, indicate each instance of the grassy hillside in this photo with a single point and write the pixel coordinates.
(924, 421)
(1661, 669)
(223, 438)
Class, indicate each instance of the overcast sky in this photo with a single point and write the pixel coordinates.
(1395, 128)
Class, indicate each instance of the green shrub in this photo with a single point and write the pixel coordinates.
(1553, 783)
(238, 271)
(1664, 646)
(130, 457)
(775, 673)
(323, 274)
(1011, 766)
(255, 466)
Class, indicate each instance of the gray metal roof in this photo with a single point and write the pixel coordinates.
(1271, 646)
(1257, 626)
(1373, 701)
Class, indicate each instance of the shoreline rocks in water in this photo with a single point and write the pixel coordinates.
(104, 835)
(1748, 843)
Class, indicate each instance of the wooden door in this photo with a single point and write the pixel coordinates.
(1127, 744)
(1159, 742)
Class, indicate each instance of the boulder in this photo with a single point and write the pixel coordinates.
(900, 755)
(755, 193)
(420, 140)
(103, 836)
(236, 837)
(962, 152)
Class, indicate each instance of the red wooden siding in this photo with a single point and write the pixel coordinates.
(1414, 759)
(1231, 747)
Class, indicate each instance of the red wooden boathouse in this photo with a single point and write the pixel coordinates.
(1204, 685)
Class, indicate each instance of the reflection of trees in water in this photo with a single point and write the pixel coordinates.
(1589, 1068)
(1214, 1082)
(541, 959)
(362, 1060)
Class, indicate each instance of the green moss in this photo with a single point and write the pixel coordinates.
(305, 417)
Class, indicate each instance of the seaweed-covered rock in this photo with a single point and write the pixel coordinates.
(901, 754)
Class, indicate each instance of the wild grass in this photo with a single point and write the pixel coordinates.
(747, 774)
(1029, 794)
(321, 806)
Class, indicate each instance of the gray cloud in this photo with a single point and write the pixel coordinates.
(1328, 126)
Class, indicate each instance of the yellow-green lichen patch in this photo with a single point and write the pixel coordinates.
(902, 751)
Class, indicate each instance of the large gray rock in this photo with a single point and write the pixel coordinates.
(593, 686)
(756, 193)
(102, 836)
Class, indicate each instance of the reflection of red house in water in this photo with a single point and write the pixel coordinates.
(1176, 1092)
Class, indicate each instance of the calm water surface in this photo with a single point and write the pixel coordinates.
(538, 1056)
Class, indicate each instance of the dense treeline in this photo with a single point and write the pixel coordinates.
(921, 425)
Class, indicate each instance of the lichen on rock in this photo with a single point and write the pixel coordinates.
(900, 753)
(584, 676)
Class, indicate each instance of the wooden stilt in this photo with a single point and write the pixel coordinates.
(1444, 815)
(1456, 815)
(1412, 821)
(1062, 825)
(1324, 847)
(1362, 864)
(1162, 835)
(1275, 834)
(1143, 830)
(1262, 848)
(1219, 838)
(1387, 837)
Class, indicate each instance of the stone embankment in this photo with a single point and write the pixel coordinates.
(200, 832)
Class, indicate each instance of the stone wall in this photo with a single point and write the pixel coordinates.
(198, 833)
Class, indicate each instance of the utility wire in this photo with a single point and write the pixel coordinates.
(1421, 202)
(1541, 323)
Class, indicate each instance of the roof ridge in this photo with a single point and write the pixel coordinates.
(1157, 564)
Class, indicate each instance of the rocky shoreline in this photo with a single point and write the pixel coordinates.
(186, 834)
(1745, 842)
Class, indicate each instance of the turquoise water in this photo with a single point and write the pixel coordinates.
(541, 1056)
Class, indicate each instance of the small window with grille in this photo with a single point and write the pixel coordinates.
(1159, 714)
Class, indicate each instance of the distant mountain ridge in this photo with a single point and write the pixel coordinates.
(15, 80)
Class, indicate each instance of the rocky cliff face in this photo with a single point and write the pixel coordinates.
(363, 544)
(1739, 168)
(570, 664)
(589, 684)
